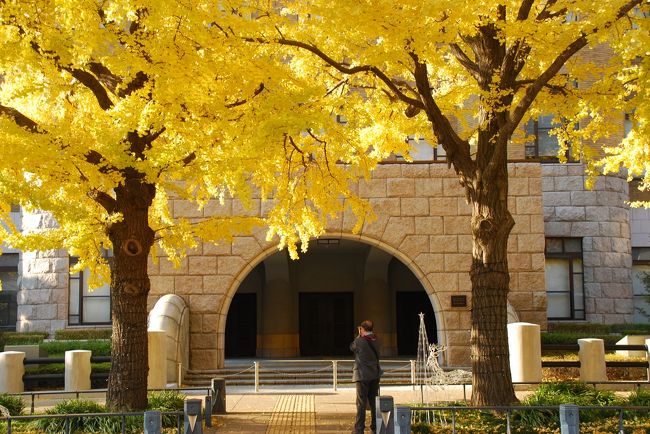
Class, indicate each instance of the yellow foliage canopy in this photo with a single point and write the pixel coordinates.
(231, 119)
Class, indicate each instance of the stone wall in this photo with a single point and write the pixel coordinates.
(601, 218)
(43, 282)
(422, 219)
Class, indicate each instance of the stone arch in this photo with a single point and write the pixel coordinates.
(265, 252)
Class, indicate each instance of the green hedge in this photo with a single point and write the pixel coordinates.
(58, 348)
(600, 329)
(78, 334)
(21, 338)
(572, 338)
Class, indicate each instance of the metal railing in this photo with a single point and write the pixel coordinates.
(332, 367)
(448, 415)
(70, 419)
(78, 393)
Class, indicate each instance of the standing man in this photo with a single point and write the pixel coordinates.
(366, 374)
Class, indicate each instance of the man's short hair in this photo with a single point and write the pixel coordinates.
(367, 325)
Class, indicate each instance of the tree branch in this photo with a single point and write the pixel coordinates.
(345, 69)
(546, 14)
(550, 72)
(20, 119)
(465, 61)
(112, 82)
(104, 199)
(457, 149)
(257, 91)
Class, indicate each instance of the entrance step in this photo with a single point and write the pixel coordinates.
(295, 373)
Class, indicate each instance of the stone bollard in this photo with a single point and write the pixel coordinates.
(592, 360)
(193, 419)
(77, 370)
(157, 377)
(12, 370)
(152, 422)
(385, 415)
(402, 420)
(525, 347)
(569, 419)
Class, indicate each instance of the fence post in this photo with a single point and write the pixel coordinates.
(334, 374)
(218, 395)
(569, 419)
(12, 370)
(413, 373)
(208, 410)
(402, 420)
(152, 422)
(592, 360)
(525, 347)
(257, 376)
(385, 416)
(193, 422)
(647, 349)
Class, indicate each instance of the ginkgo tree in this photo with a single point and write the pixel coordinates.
(110, 107)
(469, 75)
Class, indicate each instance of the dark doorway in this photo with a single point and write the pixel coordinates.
(409, 305)
(326, 323)
(241, 326)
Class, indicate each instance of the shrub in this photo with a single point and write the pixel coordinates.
(21, 338)
(632, 329)
(77, 334)
(75, 424)
(572, 337)
(580, 328)
(166, 400)
(639, 398)
(566, 392)
(14, 404)
(98, 347)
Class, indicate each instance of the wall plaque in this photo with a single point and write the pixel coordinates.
(458, 301)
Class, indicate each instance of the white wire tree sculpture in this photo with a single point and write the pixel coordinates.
(429, 375)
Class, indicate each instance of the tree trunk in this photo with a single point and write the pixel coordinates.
(491, 225)
(132, 239)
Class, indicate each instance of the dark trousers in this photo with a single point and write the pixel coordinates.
(367, 391)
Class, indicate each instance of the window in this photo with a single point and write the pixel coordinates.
(8, 295)
(640, 283)
(86, 306)
(422, 150)
(543, 145)
(564, 289)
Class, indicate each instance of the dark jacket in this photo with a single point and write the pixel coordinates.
(366, 364)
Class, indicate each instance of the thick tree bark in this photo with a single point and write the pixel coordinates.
(132, 239)
(491, 379)
(491, 224)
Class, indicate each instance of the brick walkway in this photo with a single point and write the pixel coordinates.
(292, 411)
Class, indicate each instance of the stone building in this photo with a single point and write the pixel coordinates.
(570, 258)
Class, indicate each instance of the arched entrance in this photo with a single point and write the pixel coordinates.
(310, 307)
